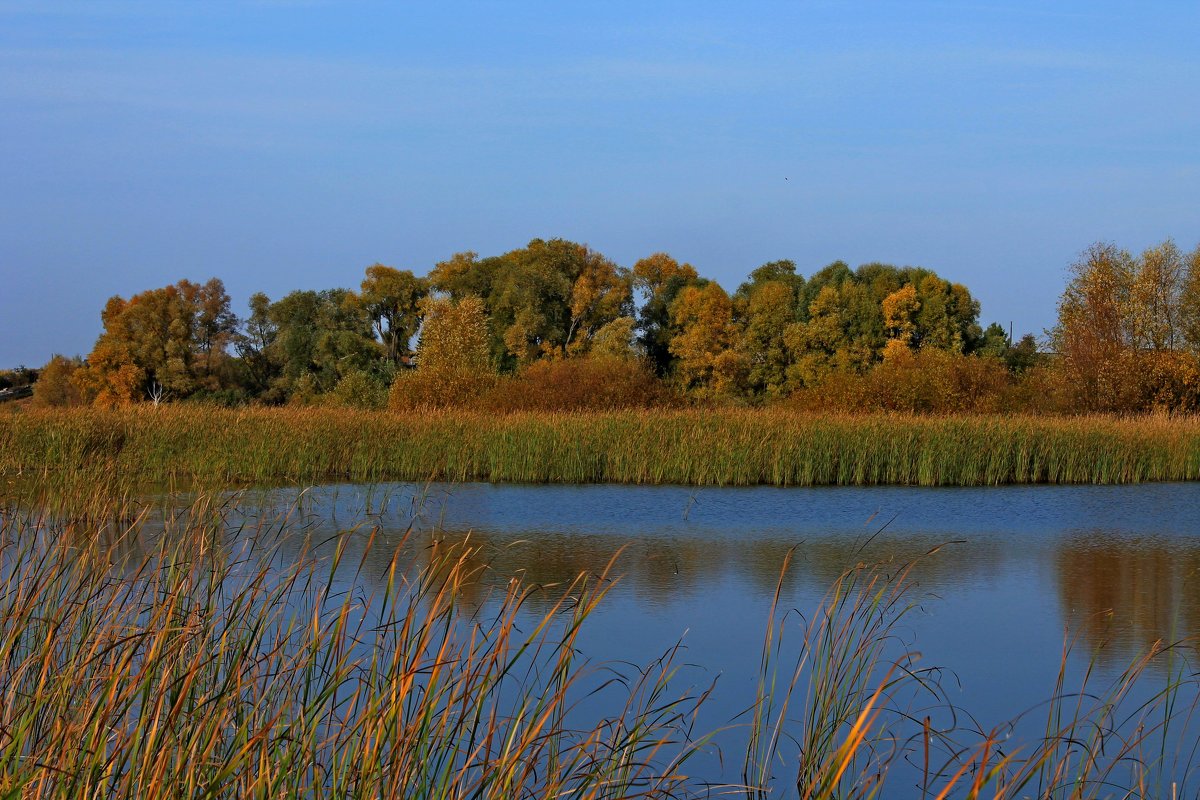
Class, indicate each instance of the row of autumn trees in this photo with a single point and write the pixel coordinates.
(557, 324)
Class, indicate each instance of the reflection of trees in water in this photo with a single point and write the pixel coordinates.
(657, 570)
(663, 571)
(1128, 593)
(1146, 584)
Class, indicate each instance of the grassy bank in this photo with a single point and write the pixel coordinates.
(727, 447)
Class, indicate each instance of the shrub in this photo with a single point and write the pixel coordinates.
(223, 398)
(358, 389)
(1166, 380)
(938, 381)
(595, 383)
(439, 388)
(54, 387)
(1041, 389)
(923, 381)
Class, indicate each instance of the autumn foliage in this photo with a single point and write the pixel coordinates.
(923, 381)
(1127, 334)
(593, 383)
(454, 363)
(556, 325)
(162, 343)
(55, 386)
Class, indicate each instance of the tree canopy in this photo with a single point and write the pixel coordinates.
(162, 342)
(555, 299)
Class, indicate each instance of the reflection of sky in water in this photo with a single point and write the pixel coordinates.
(1021, 565)
(1037, 510)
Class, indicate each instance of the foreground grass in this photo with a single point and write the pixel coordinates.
(148, 658)
(193, 669)
(727, 447)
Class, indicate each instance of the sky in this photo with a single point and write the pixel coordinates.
(284, 144)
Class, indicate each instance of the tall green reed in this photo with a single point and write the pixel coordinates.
(701, 447)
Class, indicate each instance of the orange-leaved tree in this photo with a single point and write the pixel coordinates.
(162, 343)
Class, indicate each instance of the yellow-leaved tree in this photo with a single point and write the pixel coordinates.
(706, 344)
(900, 314)
(1127, 332)
(453, 364)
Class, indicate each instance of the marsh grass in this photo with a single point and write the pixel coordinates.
(162, 652)
(714, 447)
(197, 669)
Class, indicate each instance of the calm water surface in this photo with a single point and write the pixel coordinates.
(1021, 569)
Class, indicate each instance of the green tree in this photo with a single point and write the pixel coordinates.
(546, 299)
(994, 342)
(821, 344)
(660, 278)
(770, 308)
(616, 340)
(391, 299)
(254, 346)
(324, 335)
(601, 295)
(1024, 355)
(947, 319)
(782, 271)
(834, 275)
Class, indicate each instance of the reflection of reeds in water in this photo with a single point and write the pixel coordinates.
(195, 666)
(715, 447)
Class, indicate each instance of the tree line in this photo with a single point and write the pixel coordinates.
(556, 324)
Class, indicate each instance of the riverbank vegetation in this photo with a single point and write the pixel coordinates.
(148, 655)
(684, 446)
(556, 326)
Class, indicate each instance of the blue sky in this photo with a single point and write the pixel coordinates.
(287, 144)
